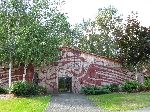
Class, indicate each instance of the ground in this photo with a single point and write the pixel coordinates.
(118, 101)
(77, 103)
(8, 103)
(71, 103)
(80, 103)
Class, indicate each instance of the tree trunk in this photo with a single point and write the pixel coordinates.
(136, 73)
(10, 66)
(25, 72)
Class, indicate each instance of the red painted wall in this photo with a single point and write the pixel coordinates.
(17, 74)
(85, 69)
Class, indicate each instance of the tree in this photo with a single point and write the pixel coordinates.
(84, 36)
(134, 43)
(98, 35)
(31, 32)
(107, 21)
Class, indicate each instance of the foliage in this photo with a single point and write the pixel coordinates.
(31, 32)
(147, 83)
(112, 87)
(134, 43)
(131, 86)
(25, 104)
(40, 90)
(122, 102)
(94, 90)
(97, 35)
(21, 88)
(107, 21)
(3, 90)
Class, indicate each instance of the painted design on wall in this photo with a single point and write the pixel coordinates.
(17, 74)
(85, 69)
(48, 78)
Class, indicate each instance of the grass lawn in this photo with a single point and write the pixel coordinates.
(118, 101)
(29, 104)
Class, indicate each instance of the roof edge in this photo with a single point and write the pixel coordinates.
(92, 54)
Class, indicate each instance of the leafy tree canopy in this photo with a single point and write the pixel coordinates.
(134, 43)
(32, 32)
(98, 36)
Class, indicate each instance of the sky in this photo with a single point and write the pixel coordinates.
(78, 9)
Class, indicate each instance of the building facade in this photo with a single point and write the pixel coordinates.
(74, 70)
(77, 69)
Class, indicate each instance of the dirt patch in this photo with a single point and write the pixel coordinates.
(6, 96)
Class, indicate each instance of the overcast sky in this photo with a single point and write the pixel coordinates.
(79, 9)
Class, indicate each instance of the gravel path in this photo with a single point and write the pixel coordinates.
(71, 103)
(78, 103)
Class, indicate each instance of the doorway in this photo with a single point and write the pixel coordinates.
(65, 84)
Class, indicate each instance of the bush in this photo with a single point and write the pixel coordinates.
(94, 90)
(147, 83)
(102, 91)
(21, 88)
(141, 87)
(131, 86)
(3, 90)
(87, 90)
(41, 90)
(112, 87)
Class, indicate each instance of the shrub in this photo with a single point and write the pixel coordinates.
(131, 86)
(21, 88)
(102, 91)
(3, 90)
(147, 83)
(41, 90)
(87, 90)
(94, 90)
(112, 87)
(142, 87)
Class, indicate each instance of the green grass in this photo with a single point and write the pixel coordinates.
(29, 104)
(118, 101)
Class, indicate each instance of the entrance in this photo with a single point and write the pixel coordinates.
(65, 84)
